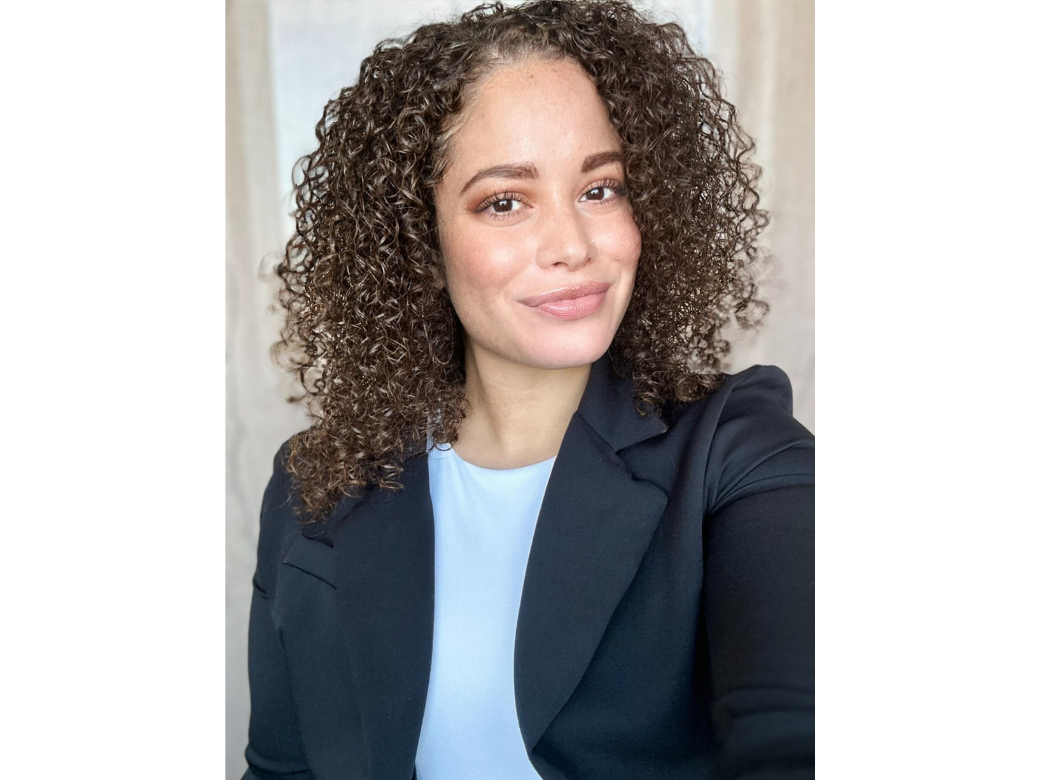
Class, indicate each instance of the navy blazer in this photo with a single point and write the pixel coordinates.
(666, 623)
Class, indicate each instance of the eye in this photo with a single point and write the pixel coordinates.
(501, 205)
(504, 206)
(605, 191)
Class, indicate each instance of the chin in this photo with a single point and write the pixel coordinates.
(571, 353)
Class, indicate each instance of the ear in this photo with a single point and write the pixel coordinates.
(438, 276)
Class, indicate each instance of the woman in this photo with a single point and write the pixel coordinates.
(533, 530)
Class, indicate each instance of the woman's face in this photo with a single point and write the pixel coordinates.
(537, 236)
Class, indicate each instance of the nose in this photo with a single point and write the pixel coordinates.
(565, 238)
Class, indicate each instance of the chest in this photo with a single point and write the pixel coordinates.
(606, 662)
(620, 673)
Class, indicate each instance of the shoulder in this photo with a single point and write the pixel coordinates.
(279, 520)
(743, 438)
(752, 405)
(283, 537)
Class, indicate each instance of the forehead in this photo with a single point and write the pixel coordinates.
(546, 112)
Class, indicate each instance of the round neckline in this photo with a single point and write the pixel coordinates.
(450, 453)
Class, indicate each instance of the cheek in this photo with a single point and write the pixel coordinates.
(477, 270)
(624, 242)
(633, 244)
(625, 245)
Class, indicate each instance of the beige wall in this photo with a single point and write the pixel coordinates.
(765, 49)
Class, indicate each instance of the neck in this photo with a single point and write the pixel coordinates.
(517, 415)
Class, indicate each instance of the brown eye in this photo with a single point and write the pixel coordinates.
(604, 192)
(501, 205)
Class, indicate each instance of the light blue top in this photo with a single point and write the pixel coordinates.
(484, 521)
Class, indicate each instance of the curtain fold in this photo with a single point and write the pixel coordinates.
(256, 418)
(766, 51)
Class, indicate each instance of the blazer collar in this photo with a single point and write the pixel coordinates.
(607, 406)
(595, 524)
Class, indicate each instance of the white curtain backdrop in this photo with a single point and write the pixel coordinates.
(286, 58)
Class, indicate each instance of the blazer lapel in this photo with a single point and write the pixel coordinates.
(596, 523)
(384, 588)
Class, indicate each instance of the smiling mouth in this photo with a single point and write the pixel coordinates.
(570, 303)
(571, 293)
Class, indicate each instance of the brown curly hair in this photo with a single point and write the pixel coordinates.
(370, 330)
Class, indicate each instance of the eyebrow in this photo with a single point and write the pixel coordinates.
(527, 170)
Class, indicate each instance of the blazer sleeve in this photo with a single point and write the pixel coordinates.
(759, 582)
(275, 751)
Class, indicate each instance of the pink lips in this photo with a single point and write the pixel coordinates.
(570, 303)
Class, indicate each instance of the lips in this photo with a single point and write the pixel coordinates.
(570, 303)
(567, 293)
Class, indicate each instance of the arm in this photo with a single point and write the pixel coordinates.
(275, 751)
(759, 582)
(758, 601)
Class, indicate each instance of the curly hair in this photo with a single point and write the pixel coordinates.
(370, 331)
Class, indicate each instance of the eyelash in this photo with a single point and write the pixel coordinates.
(620, 191)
